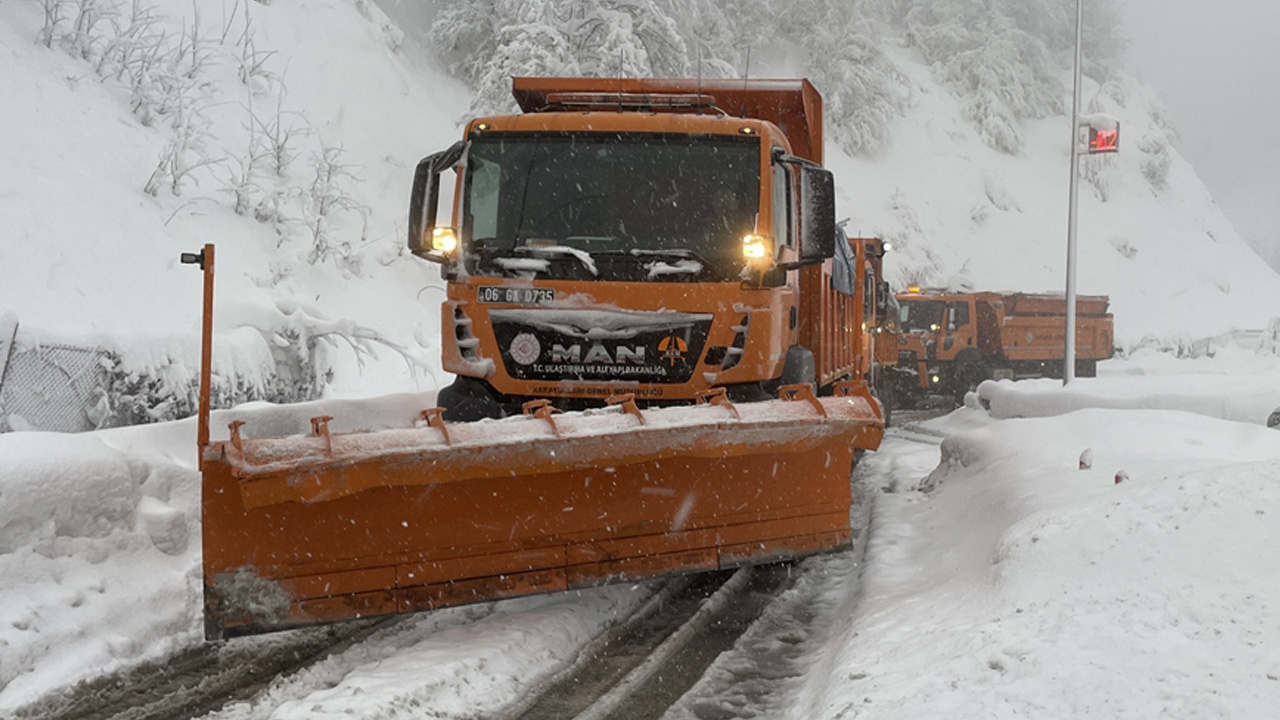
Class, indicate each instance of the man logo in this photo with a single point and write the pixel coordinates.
(525, 348)
(672, 349)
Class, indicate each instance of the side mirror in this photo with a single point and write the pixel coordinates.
(424, 199)
(817, 213)
(882, 298)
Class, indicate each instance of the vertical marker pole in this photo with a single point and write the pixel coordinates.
(206, 353)
(205, 260)
(1069, 337)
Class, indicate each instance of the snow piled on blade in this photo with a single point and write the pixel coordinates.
(676, 428)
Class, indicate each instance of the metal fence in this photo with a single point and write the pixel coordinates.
(65, 387)
(53, 387)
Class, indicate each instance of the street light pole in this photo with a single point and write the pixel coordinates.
(1069, 338)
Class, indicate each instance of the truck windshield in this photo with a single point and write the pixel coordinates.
(922, 315)
(630, 205)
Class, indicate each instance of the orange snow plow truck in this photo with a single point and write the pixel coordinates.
(951, 342)
(655, 325)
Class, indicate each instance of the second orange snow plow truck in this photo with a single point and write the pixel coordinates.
(951, 342)
(658, 254)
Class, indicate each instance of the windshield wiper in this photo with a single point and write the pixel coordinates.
(558, 251)
(669, 253)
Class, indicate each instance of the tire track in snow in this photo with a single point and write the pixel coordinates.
(201, 678)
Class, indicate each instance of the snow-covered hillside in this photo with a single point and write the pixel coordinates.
(311, 113)
(959, 211)
(307, 116)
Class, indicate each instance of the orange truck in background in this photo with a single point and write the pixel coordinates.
(880, 321)
(951, 342)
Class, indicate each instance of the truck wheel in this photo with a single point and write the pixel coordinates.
(883, 391)
(799, 368)
(468, 399)
(1086, 368)
(905, 388)
(968, 377)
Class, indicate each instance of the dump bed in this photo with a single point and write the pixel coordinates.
(1053, 305)
(793, 105)
(1035, 323)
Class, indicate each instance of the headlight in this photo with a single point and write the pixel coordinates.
(444, 240)
(755, 247)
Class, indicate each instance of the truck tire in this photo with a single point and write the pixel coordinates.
(1086, 368)
(799, 368)
(468, 399)
(968, 376)
(905, 386)
(883, 391)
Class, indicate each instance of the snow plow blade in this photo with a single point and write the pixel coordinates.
(330, 527)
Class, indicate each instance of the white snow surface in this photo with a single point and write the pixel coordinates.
(88, 257)
(1003, 581)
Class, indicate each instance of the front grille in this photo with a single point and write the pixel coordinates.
(600, 345)
(733, 353)
(468, 343)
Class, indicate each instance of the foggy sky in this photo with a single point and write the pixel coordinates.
(1216, 66)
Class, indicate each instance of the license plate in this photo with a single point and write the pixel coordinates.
(515, 295)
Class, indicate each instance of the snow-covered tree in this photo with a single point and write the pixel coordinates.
(488, 42)
(862, 88)
(1005, 57)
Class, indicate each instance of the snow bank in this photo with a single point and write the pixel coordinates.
(1048, 591)
(99, 554)
(1237, 385)
(1018, 584)
(90, 493)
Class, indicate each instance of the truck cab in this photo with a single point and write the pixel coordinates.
(947, 339)
(637, 238)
